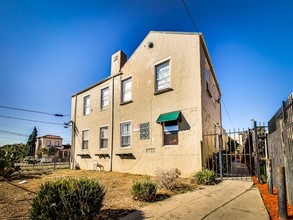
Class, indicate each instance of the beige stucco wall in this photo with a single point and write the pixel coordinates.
(183, 51)
(211, 108)
(92, 122)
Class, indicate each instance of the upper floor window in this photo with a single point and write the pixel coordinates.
(207, 76)
(104, 98)
(56, 143)
(103, 137)
(48, 143)
(163, 76)
(85, 139)
(126, 90)
(86, 105)
(125, 130)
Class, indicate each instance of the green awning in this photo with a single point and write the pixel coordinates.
(171, 116)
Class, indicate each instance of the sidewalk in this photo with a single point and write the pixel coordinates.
(230, 199)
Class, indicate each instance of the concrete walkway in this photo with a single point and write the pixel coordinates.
(230, 199)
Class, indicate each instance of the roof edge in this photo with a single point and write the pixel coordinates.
(96, 84)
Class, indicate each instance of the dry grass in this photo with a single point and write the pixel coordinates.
(15, 198)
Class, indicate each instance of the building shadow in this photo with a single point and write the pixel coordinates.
(183, 125)
(126, 214)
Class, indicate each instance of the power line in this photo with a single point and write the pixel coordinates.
(13, 133)
(227, 113)
(189, 14)
(33, 111)
(14, 126)
(24, 119)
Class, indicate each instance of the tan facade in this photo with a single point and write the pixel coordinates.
(48, 141)
(152, 111)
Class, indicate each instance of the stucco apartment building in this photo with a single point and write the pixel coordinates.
(152, 111)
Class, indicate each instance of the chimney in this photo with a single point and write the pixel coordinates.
(118, 60)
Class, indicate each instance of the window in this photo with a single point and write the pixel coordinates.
(126, 90)
(104, 98)
(56, 143)
(171, 132)
(85, 139)
(162, 76)
(103, 137)
(207, 76)
(125, 134)
(86, 105)
(48, 143)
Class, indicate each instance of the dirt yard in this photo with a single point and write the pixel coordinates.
(15, 198)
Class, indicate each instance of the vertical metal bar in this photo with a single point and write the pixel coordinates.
(234, 154)
(286, 131)
(239, 155)
(230, 150)
(206, 146)
(256, 152)
(282, 201)
(220, 154)
(244, 152)
(250, 153)
(215, 153)
(290, 155)
(226, 156)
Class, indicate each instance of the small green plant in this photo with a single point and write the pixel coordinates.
(144, 190)
(168, 178)
(204, 177)
(264, 178)
(68, 198)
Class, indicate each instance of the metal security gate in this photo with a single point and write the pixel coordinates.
(288, 144)
(235, 154)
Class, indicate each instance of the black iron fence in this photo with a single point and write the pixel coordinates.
(237, 154)
(280, 143)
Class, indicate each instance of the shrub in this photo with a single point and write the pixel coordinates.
(144, 190)
(68, 198)
(168, 178)
(204, 177)
(264, 178)
(9, 155)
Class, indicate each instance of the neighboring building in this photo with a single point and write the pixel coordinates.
(64, 153)
(48, 145)
(152, 111)
(48, 141)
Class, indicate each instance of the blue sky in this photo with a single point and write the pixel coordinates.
(50, 50)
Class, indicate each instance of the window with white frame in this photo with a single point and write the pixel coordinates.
(48, 143)
(104, 98)
(171, 132)
(125, 130)
(56, 143)
(86, 105)
(126, 90)
(163, 76)
(85, 139)
(103, 137)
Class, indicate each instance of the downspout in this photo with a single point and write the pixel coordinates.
(112, 122)
(112, 127)
(72, 153)
(221, 141)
